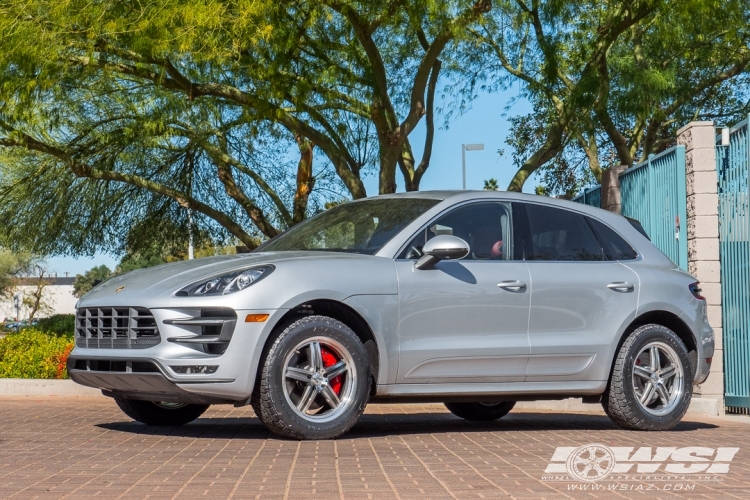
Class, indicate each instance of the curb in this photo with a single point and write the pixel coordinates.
(20, 387)
(698, 406)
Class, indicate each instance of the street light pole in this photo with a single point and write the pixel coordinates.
(463, 164)
(464, 149)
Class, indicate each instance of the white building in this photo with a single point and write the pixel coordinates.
(58, 295)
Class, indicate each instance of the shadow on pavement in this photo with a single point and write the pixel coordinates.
(380, 425)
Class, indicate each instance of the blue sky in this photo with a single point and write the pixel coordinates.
(486, 123)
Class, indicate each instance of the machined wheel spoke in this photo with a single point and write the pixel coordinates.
(642, 372)
(335, 370)
(658, 379)
(308, 370)
(663, 394)
(648, 393)
(298, 374)
(668, 372)
(306, 399)
(654, 355)
(331, 398)
(316, 357)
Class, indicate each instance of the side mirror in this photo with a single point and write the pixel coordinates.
(442, 247)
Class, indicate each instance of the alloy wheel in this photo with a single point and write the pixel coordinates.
(319, 379)
(658, 378)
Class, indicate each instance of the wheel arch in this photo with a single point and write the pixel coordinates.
(338, 311)
(669, 320)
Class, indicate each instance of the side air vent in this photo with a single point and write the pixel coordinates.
(116, 328)
(217, 327)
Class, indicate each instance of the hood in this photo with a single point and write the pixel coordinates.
(142, 286)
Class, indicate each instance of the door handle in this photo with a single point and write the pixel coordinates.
(621, 286)
(512, 285)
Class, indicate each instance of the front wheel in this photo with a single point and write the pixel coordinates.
(651, 383)
(315, 380)
(160, 413)
(484, 411)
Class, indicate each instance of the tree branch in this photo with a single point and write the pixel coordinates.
(19, 139)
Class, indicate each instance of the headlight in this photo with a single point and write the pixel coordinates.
(226, 283)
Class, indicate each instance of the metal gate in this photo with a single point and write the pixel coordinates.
(653, 192)
(733, 163)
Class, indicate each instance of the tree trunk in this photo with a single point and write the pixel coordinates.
(305, 179)
(388, 161)
(551, 147)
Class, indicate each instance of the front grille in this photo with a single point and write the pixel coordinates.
(106, 365)
(116, 328)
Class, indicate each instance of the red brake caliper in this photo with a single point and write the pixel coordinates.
(329, 359)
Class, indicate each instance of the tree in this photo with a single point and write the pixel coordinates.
(88, 280)
(12, 266)
(611, 80)
(688, 62)
(490, 185)
(147, 109)
(34, 300)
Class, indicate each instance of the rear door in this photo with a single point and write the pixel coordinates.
(582, 295)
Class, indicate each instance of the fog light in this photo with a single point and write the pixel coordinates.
(191, 370)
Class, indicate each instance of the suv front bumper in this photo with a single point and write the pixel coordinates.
(122, 372)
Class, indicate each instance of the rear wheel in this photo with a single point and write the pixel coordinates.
(651, 383)
(315, 380)
(160, 413)
(482, 411)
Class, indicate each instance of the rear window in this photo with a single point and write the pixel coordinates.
(638, 227)
(560, 235)
(615, 248)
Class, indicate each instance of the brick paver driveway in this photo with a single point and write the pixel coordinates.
(86, 448)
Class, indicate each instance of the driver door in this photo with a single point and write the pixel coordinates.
(465, 320)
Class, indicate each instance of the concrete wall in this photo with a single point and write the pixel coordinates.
(59, 297)
(699, 139)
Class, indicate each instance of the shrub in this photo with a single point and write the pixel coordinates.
(62, 325)
(34, 354)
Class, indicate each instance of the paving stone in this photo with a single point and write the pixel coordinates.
(80, 448)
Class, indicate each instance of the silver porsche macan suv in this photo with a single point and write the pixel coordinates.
(473, 299)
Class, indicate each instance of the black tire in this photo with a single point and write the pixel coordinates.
(481, 412)
(270, 401)
(620, 400)
(154, 413)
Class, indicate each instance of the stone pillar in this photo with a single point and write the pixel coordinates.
(699, 139)
(611, 197)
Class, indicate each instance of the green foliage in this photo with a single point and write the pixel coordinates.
(88, 280)
(610, 82)
(12, 265)
(60, 325)
(145, 110)
(33, 354)
(565, 173)
(491, 185)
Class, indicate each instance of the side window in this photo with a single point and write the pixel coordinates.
(615, 248)
(485, 226)
(557, 234)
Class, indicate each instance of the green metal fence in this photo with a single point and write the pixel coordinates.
(592, 197)
(653, 192)
(733, 163)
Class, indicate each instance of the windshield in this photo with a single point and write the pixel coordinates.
(361, 227)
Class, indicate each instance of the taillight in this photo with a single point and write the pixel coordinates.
(696, 291)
